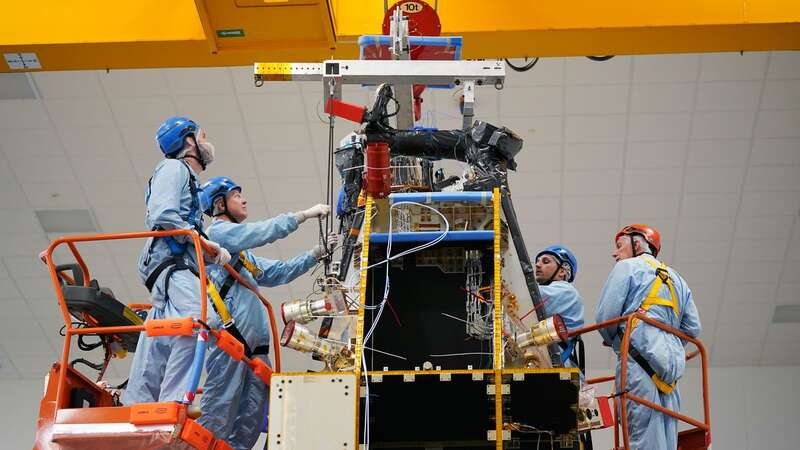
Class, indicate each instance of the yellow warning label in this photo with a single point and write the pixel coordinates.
(274, 71)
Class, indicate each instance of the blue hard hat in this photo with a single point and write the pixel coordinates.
(564, 256)
(172, 132)
(213, 189)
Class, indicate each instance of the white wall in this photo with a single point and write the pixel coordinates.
(752, 408)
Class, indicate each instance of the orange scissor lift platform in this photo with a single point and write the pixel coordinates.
(78, 413)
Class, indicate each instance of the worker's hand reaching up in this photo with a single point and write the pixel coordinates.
(319, 210)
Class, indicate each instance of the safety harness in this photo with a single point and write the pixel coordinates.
(652, 298)
(177, 261)
(574, 350)
(218, 303)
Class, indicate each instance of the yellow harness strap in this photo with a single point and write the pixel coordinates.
(219, 304)
(216, 299)
(663, 387)
(652, 298)
(254, 271)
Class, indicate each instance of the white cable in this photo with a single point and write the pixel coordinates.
(447, 355)
(391, 257)
(415, 249)
(380, 307)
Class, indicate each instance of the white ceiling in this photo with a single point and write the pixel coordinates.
(704, 147)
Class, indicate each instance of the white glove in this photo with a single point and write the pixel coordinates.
(43, 256)
(318, 210)
(222, 256)
(319, 251)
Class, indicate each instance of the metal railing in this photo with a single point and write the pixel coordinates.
(623, 397)
(70, 331)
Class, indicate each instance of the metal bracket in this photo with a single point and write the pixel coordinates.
(377, 378)
(565, 376)
(469, 103)
(505, 389)
(477, 376)
(518, 376)
(491, 435)
(444, 377)
(409, 377)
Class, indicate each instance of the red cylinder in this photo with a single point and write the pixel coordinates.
(377, 174)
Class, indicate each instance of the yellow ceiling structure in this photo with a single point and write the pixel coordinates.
(95, 34)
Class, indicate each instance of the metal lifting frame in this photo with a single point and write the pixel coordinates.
(355, 71)
(374, 72)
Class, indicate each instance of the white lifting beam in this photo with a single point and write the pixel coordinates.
(373, 72)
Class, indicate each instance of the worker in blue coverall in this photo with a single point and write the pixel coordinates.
(168, 265)
(657, 359)
(234, 399)
(556, 268)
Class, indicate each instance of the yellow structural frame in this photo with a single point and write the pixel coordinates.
(359, 350)
(94, 34)
(497, 327)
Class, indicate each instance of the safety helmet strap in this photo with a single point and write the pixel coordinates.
(225, 212)
(561, 263)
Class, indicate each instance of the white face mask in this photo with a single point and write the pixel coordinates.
(206, 150)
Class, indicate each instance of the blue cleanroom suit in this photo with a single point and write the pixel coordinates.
(233, 402)
(624, 292)
(161, 365)
(561, 297)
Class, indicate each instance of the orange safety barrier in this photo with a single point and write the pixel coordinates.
(70, 241)
(182, 326)
(272, 324)
(229, 344)
(196, 435)
(153, 413)
(55, 408)
(140, 306)
(621, 419)
(221, 445)
(261, 370)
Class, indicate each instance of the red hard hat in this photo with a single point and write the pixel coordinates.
(648, 233)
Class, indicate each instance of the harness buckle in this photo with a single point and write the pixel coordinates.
(663, 274)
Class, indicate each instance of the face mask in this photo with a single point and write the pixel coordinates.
(206, 150)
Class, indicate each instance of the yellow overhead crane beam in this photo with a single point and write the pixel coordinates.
(518, 28)
(95, 34)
